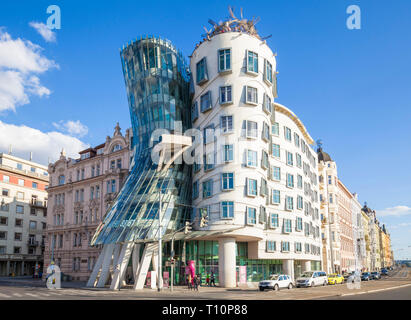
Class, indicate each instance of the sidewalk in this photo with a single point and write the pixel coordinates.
(32, 282)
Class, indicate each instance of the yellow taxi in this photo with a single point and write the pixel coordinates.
(335, 278)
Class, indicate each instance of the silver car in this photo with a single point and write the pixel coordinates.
(276, 282)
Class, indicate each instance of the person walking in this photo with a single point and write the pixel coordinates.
(212, 279)
(196, 282)
(190, 284)
(208, 280)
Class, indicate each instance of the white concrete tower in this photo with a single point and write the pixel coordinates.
(255, 172)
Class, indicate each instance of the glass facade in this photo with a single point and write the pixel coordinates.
(157, 83)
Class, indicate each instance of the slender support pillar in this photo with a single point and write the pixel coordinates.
(121, 267)
(105, 268)
(22, 268)
(149, 249)
(288, 268)
(228, 266)
(93, 276)
(156, 269)
(136, 260)
(8, 268)
(116, 253)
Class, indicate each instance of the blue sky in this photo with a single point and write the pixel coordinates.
(351, 88)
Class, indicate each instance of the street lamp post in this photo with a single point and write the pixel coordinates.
(159, 245)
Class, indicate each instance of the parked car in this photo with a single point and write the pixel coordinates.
(355, 276)
(335, 278)
(365, 276)
(384, 272)
(375, 275)
(347, 275)
(311, 279)
(276, 282)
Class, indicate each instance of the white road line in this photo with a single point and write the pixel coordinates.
(31, 295)
(18, 295)
(4, 295)
(43, 294)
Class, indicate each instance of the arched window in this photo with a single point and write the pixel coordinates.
(116, 148)
(61, 179)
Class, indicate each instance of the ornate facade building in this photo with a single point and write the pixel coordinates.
(80, 192)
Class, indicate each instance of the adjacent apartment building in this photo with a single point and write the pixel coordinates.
(80, 192)
(23, 211)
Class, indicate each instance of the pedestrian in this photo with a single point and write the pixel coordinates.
(212, 279)
(196, 280)
(208, 280)
(190, 286)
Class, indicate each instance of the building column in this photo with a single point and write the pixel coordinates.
(307, 265)
(7, 268)
(288, 268)
(136, 260)
(121, 266)
(94, 274)
(149, 249)
(227, 262)
(105, 267)
(22, 267)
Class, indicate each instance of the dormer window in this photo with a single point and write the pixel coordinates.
(117, 147)
(85, 155)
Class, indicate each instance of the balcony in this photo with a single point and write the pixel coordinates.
(32, 242)
(38, 204)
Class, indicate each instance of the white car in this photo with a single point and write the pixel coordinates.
(311, 279)
(276, 282)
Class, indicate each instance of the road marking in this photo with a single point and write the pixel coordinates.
(4, 295)
(18, 295)
(378, 290)
(31, 295)
(44, 294)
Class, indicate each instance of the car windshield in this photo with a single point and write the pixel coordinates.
(333, 275)
(307, 275)
(274, 277)
(365, 273)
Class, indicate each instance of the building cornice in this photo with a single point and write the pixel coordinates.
(284, 110)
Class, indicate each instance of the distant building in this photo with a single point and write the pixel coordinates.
(23, 203)
(80, 192)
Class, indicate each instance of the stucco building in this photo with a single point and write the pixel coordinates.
(80, 192)
(23, 203)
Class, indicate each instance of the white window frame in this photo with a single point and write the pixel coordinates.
(225, 60)
(248, 187)
(254, 94)
(248, 122)
(225, 89)
(255, 215)
(272, 196)
(226, 122)
(222, 181)
(255, 57)
(221, 210)
(256, 158)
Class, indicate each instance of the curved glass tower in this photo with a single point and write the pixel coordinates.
(157, 83)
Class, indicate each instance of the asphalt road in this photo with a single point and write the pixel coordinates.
(32, 289)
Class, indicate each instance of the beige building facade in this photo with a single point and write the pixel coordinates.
(81, 190)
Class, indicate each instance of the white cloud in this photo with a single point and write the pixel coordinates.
(20, 63)
(44, 145)
(75, 128)
(44, 31)
(395, 211)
